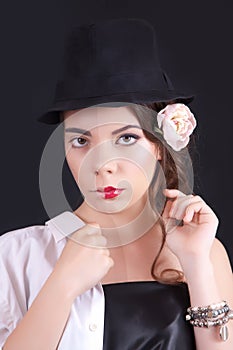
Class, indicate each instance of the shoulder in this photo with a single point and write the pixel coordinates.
(24, 239)
(218, 253)
(222, 270)
(31, 241)
(219, 258)
(19, 232)
(27, 256)
(23, 233)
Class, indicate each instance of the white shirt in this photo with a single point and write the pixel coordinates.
(27, 257)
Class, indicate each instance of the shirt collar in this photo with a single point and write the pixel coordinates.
(64, 224)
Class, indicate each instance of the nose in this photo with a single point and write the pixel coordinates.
(108, 168)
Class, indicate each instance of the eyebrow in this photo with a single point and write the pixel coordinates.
(125, 128)
(88, 133)
(78, 131)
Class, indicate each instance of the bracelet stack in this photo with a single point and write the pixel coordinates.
(211, 316)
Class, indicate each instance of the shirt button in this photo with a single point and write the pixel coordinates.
(93, 327)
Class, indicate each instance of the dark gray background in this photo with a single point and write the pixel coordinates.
(195, 38)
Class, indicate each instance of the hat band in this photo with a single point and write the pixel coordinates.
(91, 86)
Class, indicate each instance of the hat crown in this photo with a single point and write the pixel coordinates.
(111, 47)
(114, 60)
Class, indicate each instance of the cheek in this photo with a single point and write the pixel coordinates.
(140, 178)
(74, 164)
(143, 167)
(139, 174)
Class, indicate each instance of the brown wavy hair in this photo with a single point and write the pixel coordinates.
(170, 174)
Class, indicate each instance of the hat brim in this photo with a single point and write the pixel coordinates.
(52, 116)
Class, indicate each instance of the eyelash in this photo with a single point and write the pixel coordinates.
(134, 136)
(75, 139)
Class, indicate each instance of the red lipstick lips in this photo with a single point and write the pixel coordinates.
(110, 192)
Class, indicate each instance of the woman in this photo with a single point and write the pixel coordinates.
(142, 247)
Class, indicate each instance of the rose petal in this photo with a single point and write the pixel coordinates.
(160, 117)
(177, 123)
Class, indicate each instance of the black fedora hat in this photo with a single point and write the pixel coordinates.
(114, 60)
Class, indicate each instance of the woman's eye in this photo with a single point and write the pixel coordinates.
(127, 139)
(78, 142)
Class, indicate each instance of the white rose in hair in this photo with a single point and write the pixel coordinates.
(177, 123)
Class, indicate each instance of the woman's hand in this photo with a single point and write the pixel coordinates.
(195, 236)
(81, 266)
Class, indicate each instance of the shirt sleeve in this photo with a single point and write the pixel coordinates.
(5, 324)
(12, 295)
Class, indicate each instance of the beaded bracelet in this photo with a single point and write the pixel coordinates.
(210, 316)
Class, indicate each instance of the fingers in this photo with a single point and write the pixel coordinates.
(110, 262)
(90, 235)
(106, 252)
(167, 209)
(88, 229)
(176, 206)
(94, 241)
(182, 207)
(179, 206)
(173, 193)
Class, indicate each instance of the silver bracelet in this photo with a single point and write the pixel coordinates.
(212, 315)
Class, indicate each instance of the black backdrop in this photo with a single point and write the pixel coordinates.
(196, 42)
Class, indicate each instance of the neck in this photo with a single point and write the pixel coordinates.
(124, 227)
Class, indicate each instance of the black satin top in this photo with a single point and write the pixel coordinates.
(147, 316)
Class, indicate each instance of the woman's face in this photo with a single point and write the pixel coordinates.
(110, 158)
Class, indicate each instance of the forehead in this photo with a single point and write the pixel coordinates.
(92, 117)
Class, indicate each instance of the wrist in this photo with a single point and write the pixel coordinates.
(199, 275)
(197, 268)
(60, 287)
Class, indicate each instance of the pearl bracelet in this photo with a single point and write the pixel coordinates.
(212, 315)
